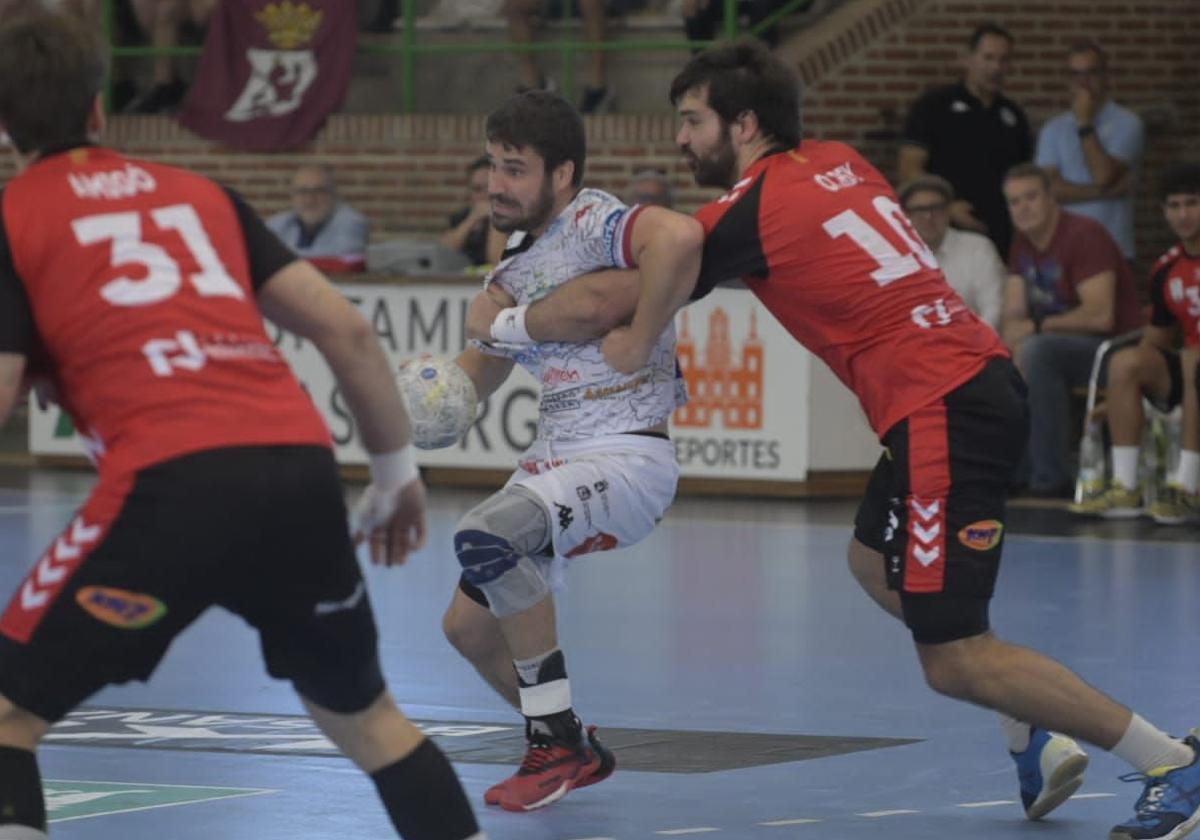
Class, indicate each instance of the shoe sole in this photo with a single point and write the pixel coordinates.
(1180, 831)
(518, 807)
(1171, 520)
(1122, 513)
(1066, 779)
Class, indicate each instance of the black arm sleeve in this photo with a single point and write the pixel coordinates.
(733, 248)
(1160, 315)
(16, 315)
(264, 251)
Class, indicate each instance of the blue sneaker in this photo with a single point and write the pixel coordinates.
(1169, 807)
(1050, 769)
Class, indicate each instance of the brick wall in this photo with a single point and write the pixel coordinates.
(861, 66)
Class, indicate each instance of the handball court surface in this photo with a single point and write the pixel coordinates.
(749, 689)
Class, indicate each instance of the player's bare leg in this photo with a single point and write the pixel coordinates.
(418, 787)
(475, 633)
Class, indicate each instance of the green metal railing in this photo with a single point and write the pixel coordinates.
(409, 50)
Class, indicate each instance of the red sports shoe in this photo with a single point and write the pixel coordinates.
(550, 770)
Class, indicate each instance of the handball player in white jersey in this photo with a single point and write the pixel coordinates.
(602, 471)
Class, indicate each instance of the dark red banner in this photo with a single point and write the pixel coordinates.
(271, 72)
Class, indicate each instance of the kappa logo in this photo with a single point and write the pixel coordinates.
(565, 516)
(983, 535)
(119, 607)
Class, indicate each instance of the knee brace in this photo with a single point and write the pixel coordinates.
(495, 542)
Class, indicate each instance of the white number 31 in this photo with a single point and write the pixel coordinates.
(163, 276)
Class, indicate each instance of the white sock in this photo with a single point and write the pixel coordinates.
(1188, 474)
(1148, 748)
(1017, 732)
(1125, 464)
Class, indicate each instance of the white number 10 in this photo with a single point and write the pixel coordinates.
(163, 276)
(893, 265)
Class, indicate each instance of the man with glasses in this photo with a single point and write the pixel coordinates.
(1093, 149)
(320, 227)
(969, 260)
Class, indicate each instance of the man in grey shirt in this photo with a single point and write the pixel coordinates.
(320, 227)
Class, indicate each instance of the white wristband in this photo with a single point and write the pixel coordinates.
(391, 471)
(509, 326)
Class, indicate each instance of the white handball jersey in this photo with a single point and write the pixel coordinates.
(582, 397)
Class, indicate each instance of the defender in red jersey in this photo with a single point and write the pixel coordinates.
(1155, 369)
(818, 236)
(138, 291)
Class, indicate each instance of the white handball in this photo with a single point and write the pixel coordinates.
(441, 401)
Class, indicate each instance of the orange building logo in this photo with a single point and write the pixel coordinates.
(716, 385)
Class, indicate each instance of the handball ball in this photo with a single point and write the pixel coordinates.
(441, 401)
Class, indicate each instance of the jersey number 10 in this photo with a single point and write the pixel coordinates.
(893, 265)
(163, 275)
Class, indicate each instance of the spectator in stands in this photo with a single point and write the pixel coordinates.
(971, 134)
(470, 231)
(652, 188)
(1069, 288)
(163, 21)
(703, 18)
(1093, 150)
(1153, 369)
(968, 259)
(523, 17)
(321, 228)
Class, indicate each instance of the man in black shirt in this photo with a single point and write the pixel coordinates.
(971, 134)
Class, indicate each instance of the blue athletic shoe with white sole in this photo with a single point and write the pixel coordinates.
(1169, 807)
(1050, 769)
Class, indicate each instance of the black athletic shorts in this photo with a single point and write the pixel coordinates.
(261, 531)
(935, 504)
(1175, 371)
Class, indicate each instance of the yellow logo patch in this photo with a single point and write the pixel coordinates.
(982, 535)
(119, 607)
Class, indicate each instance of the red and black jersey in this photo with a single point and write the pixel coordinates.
(818, 235)
(1175, 293)
(135, 282)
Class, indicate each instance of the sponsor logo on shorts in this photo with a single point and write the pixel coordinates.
(557, 376)
(584, 492)
(982, 535)
(120, 607)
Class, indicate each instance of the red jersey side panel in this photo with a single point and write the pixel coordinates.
(819, 237)
(139, 282)
(1175, 293)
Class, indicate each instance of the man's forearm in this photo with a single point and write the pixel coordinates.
(1080, 320)
(585, 308)
(1105, 169)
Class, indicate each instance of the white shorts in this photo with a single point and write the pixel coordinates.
(602, 493)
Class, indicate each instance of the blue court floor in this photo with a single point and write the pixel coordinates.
(735, 617)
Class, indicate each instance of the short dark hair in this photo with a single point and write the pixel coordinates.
(1028, 170)
(545, 122)
(926, 183)
(1089, 45)
(985, 29)
(480, 162)
(1180, 179)
(746, 76)
(51, 69)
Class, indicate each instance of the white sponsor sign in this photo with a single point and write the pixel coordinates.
(748, 380)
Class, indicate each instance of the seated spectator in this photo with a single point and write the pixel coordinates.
(523, 17)
(320, 227)
(1153, 369)
(703, 19)
(1068, 289)
(162, 21)
(968, 259)
(470, 231)
(651, 188)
